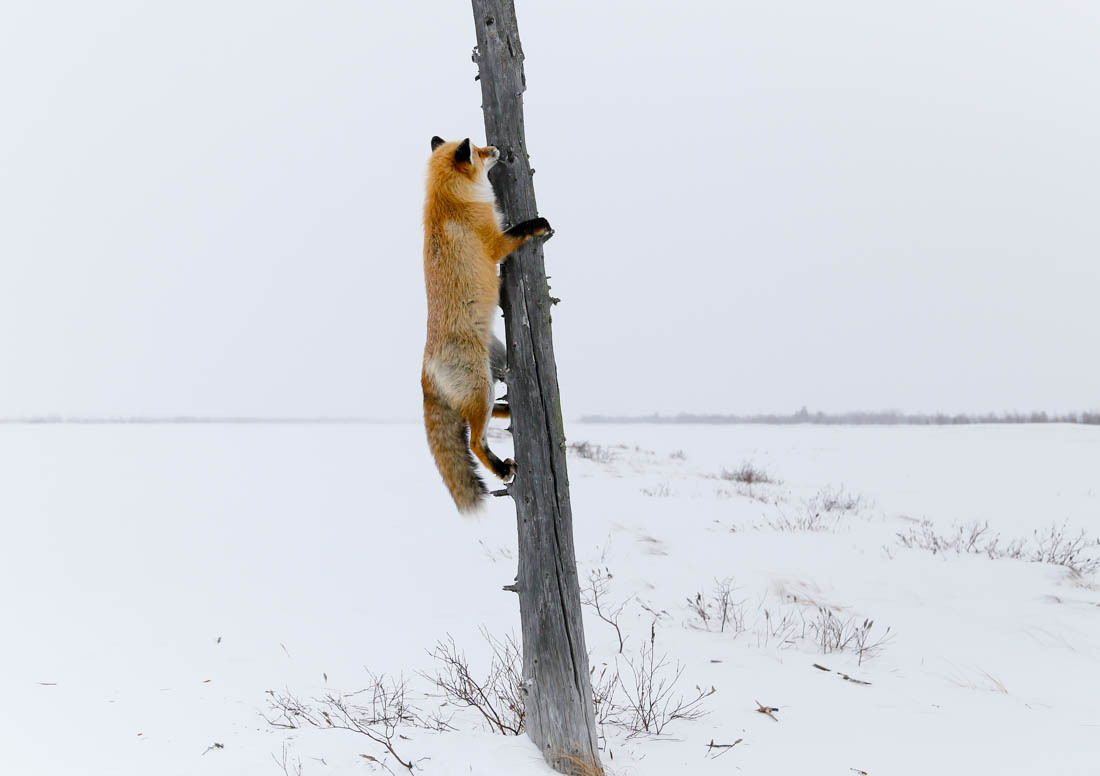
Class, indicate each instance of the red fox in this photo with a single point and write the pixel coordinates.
(463, 243)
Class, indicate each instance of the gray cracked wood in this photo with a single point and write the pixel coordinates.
(560, 717)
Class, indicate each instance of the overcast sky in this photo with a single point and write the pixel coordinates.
(214, 207)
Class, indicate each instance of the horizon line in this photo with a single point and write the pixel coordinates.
(858, 417)
(197, 419)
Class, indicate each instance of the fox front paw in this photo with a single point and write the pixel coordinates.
(540, 227)
(509, 470)
(535, 227)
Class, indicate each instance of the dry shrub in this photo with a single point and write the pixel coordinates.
(386, 704)
(805, 519)
(785, 623)
(1079, 554)
(834, 634)
(718, 610)
(498, 697)
(1054, 545)
(839, 500)
(638, 692)
(591, 452)
(376, 711)
(649, 688)
(822, 512)
(748, 474)
(605, 688)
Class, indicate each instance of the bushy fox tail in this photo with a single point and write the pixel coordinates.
(449, 443)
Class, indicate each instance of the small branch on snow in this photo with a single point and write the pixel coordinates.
(767, 710)
(711, 747)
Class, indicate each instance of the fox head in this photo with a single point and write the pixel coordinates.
(462, 167)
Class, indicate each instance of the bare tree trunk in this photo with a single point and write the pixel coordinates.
(560, 716)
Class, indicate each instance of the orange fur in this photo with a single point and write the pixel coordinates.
(463, 243)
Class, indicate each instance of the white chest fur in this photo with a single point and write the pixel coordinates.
(483, 192)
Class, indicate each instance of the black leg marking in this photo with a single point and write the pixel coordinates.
(506, 470)
(464, 436)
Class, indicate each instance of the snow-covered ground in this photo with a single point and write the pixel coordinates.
(158, 580)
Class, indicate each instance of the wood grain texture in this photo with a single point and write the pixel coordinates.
(560, 718)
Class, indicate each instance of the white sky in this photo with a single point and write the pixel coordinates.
(214, 208)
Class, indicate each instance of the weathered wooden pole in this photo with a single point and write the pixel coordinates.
(560, 716)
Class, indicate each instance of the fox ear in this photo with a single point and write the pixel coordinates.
(437, 141)
(462, 154)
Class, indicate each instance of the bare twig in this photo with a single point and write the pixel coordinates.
(717, 750)
(605, 686)
(841, 674)
(593, 596)
(289, 767)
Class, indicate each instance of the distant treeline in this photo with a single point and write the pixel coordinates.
(885, 418)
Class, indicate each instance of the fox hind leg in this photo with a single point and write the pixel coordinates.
(498, 365)
(477, 416)
(498, 359)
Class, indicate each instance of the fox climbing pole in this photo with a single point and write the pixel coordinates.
(558, 695)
